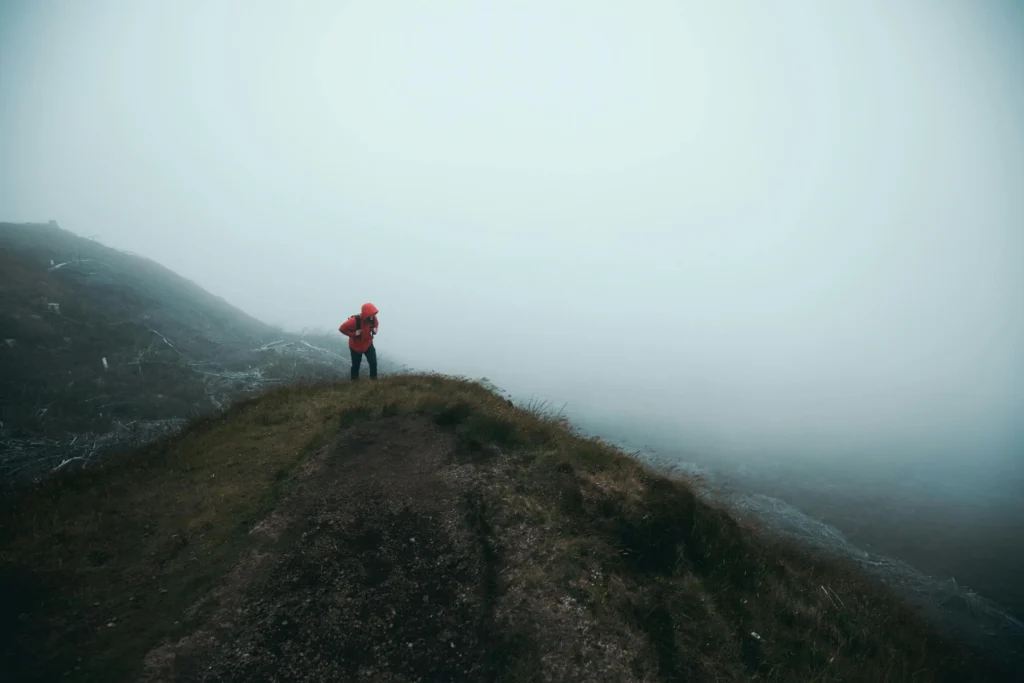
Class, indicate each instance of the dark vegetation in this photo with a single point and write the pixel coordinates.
(423, 528)
(172, 351)
(979, 543)
(952, 548)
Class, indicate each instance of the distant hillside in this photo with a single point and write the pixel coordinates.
(100, 349)
(423, 529)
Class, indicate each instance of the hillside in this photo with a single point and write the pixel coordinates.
(422, 528)
(101, 349)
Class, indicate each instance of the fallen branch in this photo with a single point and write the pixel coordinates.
(166, 341)
(68, 460)
(71, 263)
(320, 350)
(270, 345)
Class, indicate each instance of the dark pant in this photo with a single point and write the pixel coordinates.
(357, 359)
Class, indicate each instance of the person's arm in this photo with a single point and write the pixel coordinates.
(376, 325)
(348, 327)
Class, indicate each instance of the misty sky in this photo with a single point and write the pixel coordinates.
(768, 223)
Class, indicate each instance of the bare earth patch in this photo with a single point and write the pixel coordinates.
(371, 569)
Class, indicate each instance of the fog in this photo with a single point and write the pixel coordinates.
(775, 229)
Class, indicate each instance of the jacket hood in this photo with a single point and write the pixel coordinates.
(369, 310)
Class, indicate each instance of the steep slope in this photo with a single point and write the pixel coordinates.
(422, 528)
(100, 348)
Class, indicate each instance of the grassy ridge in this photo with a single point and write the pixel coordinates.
(102, 565)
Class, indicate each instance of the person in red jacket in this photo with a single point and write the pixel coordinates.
(360, 330)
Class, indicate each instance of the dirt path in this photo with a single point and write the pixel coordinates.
(370, 570)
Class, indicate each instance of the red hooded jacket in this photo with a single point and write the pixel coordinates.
(364, 340)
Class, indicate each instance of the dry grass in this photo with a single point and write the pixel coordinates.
(149, 531)
(606, 570)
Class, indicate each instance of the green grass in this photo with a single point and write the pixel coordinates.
(150, 532)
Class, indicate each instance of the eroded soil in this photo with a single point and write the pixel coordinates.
(378, 566)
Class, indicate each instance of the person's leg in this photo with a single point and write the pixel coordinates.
(371, 358)
(357, 359)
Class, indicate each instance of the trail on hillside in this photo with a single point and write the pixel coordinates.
(371, 569)
(424, 528)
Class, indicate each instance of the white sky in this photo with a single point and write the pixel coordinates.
(771, 223)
